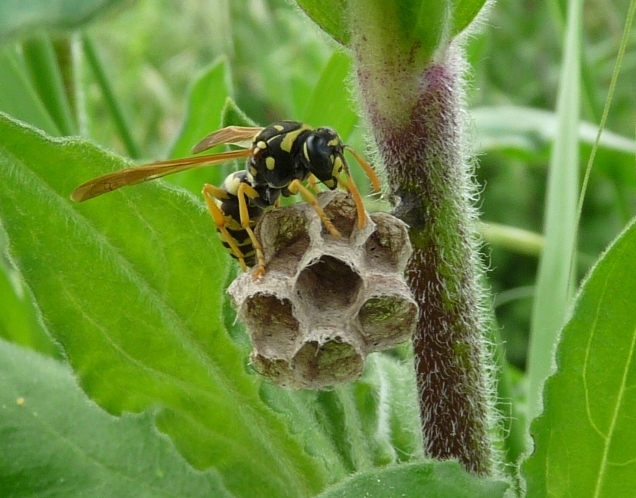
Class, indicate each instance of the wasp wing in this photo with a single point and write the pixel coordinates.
(151, 171)
(237, 135)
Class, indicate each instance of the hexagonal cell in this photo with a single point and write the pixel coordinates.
(284, 230)
(321, 364)
(387, 320)
(272, 324)
(341, 210)
(277, 370)
(388, 247)
(328, 284)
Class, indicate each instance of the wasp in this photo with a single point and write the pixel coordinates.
(281, 158)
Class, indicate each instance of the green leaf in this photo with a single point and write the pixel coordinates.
(131, 285)
(420, 23)
(232, 114)
(584, 438)
(430, 479)
(425, 23)
(330, 15)
(44, 70)
(23, 18)
(529, 132)
(114, 106)
(330, 101)
(396, 376)
(369, 422)
(55, 443)
(407, 32)
(18, 96)
(555, 275)
(18, 322)
(206, 102)
(465, 13)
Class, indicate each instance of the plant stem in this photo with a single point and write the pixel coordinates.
(418, 126)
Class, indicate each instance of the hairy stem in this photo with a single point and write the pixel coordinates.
(418, 128)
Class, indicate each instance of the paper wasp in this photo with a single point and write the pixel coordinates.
(280, 157)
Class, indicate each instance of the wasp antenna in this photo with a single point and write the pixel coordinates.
(375, 181)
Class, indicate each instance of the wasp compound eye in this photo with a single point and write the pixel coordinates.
(325, 303)
(321, 149)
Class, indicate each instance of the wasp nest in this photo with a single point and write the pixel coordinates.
(325, 303)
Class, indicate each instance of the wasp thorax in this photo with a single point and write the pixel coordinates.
(325, 303)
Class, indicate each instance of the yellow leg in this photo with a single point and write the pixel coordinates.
(313, 184)
(296, 187)
(244, 191)
(210, 192)
(351, 187)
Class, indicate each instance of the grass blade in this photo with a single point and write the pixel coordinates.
(554, 280)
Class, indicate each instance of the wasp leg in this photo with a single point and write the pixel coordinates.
(313, 184)
(244, 191)
(210, 193)
(352, 188)
(296, 187)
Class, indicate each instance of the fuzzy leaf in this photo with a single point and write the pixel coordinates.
(430, 479)
(55, 443)
(407, 31)
(23, 18)
(584, 438)
(424, 22)
(232, 114)
(465, 13)
(329, 15)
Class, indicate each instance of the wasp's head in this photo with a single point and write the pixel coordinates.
(324, 153)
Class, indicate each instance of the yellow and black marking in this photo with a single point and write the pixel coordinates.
(280, 158)
(225, 208)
